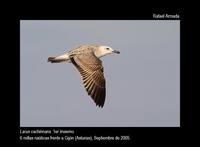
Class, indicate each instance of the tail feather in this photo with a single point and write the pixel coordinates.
(58, 59)
(54, 60)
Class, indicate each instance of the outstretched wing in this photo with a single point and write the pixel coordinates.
(91, 70)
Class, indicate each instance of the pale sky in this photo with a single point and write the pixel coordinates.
(142, 82)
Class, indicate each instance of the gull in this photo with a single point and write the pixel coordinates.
(86, 60)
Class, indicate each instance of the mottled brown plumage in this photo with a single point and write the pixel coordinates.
(91, 70)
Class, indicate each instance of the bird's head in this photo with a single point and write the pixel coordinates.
(104, 50)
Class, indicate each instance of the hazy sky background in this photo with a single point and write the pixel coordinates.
(143, 82)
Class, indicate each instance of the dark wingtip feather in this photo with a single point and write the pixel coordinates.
(100, 98)
(99, 105)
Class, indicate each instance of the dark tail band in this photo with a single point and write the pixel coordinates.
(54, 60)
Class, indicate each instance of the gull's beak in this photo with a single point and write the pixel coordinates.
(115, 51)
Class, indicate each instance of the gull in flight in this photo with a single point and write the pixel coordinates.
(86, 59)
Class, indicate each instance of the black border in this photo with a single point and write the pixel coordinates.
(138, 134)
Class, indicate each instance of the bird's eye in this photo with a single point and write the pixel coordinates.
(107, 48)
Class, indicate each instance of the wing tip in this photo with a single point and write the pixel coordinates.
(99, 106)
